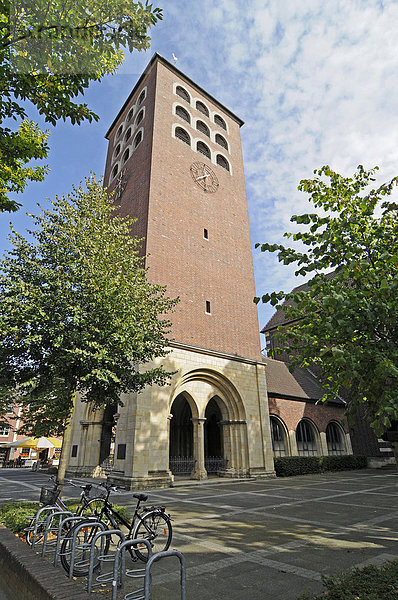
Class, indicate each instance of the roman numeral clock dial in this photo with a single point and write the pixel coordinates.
(204, 177)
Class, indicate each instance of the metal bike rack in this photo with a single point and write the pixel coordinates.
(120, 567)
(103, 558)
(50, 529)
(148, 576)
(38, 521)
(72, 520)
(86, 525)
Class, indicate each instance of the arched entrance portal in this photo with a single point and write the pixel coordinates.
(107, 437)
(214, 444)
(181, 461)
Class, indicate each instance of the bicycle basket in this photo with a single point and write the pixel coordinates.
(96, 492)
(48, 496)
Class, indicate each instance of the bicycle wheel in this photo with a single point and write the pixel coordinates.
(95, 508)
(82, 549)
(155, 527)
(39, 532)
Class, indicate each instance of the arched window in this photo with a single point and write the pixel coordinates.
(202, 127)
(183, 135)
(335, 439)
(220, 122)
(138, 139)
(139, 118)
(128, 134)
(184, 114)
(221, 141)
(117, 150)
(119, 131)
(141, 97)
(201, 147)
(115, 170)
(180, 91)
(131, 114)
(278, 437)
(202, 108)
(306, 439)
(222, 162)
(126, 155)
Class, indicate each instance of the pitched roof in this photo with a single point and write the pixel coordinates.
(299, 385)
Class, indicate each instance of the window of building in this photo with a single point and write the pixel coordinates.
(116, 152)
(180, 91)
(184, 114)
(221, 141)
(202, 108)
(278, 437)
(306, 439)
(141, 97)
(205, 234)
(74, 451)
(126, 155)
(183, 135)
(201, 147)
(25, 452)
(119, 131)
(131, 114)
(220, 122)
(4, 430)
(139, 118)
(222, 161)
(335, 439)
(138, 139)
(202, 127)
(128, 134)
(208, 307)
(115, 170)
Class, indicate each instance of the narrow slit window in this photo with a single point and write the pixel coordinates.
(183, 135)
(180, 91)
(141, 97)
(115, 170)
(208, 307)
(220, 122)
(139, 118)
(126, 155)
(138, 139)
(205, 234)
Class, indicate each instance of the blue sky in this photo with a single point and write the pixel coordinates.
(316, 82)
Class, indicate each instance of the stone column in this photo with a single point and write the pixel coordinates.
(199, 471)
(323, 444)
(293, 443)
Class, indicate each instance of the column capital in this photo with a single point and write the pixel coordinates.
(199, 420)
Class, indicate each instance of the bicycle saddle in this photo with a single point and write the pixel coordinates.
(141, 497)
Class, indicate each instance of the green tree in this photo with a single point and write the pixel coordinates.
(77, 313)
(345, 322)
(50, 51)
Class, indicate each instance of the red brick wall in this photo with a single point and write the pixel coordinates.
(291, 412)
(173, 212)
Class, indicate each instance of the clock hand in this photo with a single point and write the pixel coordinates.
(203, 176)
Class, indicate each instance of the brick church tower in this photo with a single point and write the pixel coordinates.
(175, 162)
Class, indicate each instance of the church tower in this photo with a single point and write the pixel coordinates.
(175, 163)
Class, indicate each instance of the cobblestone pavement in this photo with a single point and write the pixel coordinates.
(263, 539)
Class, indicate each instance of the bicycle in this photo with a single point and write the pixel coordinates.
(50, 497)
(151, 523)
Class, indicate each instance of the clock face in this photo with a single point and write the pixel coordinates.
(121, 183)
(204, 177)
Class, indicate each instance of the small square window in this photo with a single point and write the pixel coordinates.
(121, 451)
(205, 234)
(207, 307)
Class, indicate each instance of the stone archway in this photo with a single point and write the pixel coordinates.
(209, 390)
(213, 438)
(181, 460)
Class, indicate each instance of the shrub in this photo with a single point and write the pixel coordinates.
(368, 583)
(286, 466)
(15, 516)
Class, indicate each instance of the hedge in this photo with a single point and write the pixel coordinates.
(368, 583)
(287, 466)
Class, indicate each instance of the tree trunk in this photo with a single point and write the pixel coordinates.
(65, 447)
